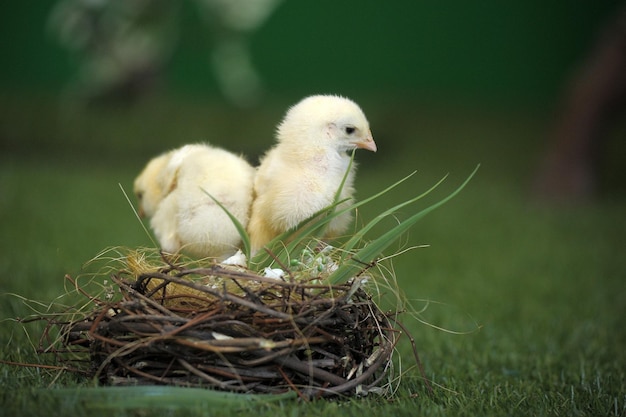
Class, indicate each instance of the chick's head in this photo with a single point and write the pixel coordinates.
(327, 120)
(149, 186)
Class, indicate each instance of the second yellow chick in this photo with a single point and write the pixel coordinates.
(172, 190)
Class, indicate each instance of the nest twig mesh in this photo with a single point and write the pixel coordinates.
(231, 329)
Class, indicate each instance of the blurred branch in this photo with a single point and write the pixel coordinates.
(122, 47)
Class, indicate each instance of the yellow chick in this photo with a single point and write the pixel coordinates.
(301, 174)
(171, 190)
(150, 187)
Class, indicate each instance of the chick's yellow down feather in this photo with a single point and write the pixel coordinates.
(150, 186)
(172, 190)
(302, 173)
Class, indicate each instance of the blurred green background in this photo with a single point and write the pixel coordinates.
(445, 85)
(473, 50)
(100, 87)
(126, 80)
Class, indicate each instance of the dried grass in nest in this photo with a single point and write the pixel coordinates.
(228, 328)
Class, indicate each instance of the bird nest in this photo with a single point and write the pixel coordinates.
(228, 328)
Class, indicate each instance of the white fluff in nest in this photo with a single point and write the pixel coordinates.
(238, 259)
(274, 273)
(171, 190)
(301, 174)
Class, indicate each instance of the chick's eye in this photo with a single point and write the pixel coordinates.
(350, 129)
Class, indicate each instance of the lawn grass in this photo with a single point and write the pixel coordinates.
(532, 296)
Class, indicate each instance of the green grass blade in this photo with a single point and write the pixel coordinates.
(245, 239)
(304, 234)
(359, 235)
(375, 248)
(308, 229)
(345, 178)
(312, 228)
(285, 244)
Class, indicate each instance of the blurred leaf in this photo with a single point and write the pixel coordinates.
(157, 396)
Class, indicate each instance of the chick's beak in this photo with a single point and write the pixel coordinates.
(367, 142)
